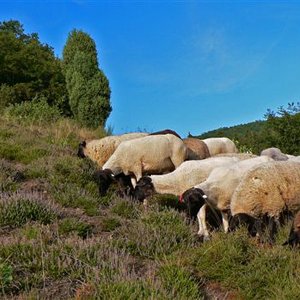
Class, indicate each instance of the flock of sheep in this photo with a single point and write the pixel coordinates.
(258, 191)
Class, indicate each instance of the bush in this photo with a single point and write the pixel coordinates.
(18, 209)
(73, 225)
(156, 234)
(37, 110)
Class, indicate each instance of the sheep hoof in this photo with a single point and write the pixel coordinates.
(203, 238)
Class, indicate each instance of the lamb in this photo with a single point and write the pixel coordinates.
(274, 153)
(218, 188)
(294, 236)
(266, 193)
(197, 149)
(100, 150)
(153, 154)
(220, 145)
(184, 177)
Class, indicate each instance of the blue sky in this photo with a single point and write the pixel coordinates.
(191, 66)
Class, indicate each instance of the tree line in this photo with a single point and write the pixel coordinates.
(75, 84)
(280, 128)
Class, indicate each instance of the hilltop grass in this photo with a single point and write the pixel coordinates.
(60, 240)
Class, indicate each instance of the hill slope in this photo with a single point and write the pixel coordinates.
(60, 240)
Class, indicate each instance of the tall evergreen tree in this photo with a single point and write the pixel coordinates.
(88, 87)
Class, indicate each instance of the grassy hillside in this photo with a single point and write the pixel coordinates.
(60, 240)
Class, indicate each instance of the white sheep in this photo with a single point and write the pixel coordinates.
(293, 157)
(197, 149)
(265, 193)
(100, 150)
(220, 145)
(153, 154)
(218, 189)
(188, 174)
(274, 153)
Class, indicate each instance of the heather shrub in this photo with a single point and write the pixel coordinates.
(17, 209)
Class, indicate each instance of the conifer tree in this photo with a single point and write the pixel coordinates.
(88, 87)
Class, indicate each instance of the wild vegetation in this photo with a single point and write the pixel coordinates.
(281, 129)
(73, 85)
(60, 240)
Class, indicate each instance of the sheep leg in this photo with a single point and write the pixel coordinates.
(201, 216)
(225, 221)
(133, 181)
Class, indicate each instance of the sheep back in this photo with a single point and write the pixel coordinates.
(220, 145)
(274, 153)
(240, 156)
(153, 154)
(222, 181)
(197, 149)
(268, 189)
(100, 150)
(189, 174)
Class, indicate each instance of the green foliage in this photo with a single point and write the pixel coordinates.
(155, 234)
(110, 224)
(72, 225)
(87, 86)
(37, 110)
(6, 277)
(17, 210)
(285, 126)
(29, 68)
(126, 209)
(179, 283)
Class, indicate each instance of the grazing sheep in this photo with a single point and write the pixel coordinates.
(106, 178)
(188, 174)
(153, 154)
(294, 236)
(218, 189)
(220, 145)
(274, 153)
(264, 194)
(166, 131)
(197, 149)
(240, 156)
(293, 158)
(100, 150)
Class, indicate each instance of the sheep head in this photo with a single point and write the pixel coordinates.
(104, 178)
(81, 148)
(294, 237)
(194, 198)
(143, 189)
(243, 219)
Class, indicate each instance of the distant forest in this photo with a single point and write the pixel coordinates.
(281, 128)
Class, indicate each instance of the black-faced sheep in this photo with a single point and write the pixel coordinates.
(294, 236)
(188, 174)
(153, 154)
(197, 149)
(100, 150)
(220, 145)
(218, 189)
(265, 193)
(274, 153)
